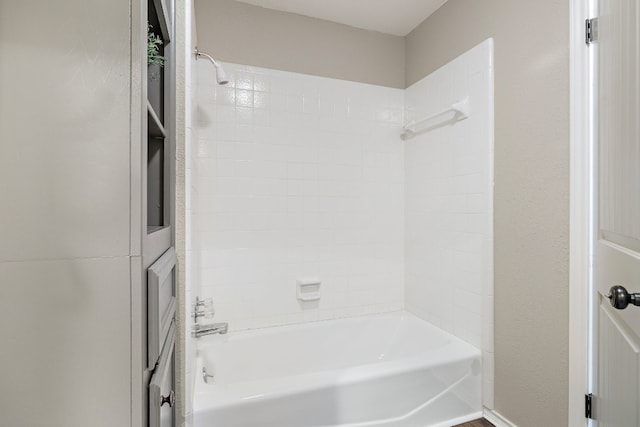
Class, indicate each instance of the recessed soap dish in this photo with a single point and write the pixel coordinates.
(308, 289)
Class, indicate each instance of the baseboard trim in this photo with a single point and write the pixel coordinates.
(496, 419)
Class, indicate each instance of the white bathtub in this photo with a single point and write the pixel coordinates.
(391, 370)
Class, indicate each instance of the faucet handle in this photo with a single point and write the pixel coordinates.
(203, 308)
(203, 302)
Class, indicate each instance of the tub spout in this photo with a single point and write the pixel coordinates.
(214, 328)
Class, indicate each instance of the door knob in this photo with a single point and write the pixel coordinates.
(620, 298)
(171, 399)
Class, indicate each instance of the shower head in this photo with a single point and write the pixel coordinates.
(221, 76)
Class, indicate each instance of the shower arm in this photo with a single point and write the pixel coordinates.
(221, 76)
(209, 57)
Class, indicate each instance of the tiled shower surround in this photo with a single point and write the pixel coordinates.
(297, 176)
(448, 205)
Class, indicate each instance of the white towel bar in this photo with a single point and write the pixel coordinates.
(460, 110)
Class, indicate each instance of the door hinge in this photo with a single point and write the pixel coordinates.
(588, 406)
(590, 30)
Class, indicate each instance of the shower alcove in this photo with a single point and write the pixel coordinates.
(296, 176)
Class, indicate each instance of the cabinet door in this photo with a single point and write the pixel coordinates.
(161, 389)
(161, 278)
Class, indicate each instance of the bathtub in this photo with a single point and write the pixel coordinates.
(391, 370)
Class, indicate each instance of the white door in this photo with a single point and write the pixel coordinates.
(617, 213)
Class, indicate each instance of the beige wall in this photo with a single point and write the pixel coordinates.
(184, 303)
(66, 281)
(251, 35)
(531, 189)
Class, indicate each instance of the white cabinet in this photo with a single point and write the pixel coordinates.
(161, 303)
(162, 397)
(158, 258)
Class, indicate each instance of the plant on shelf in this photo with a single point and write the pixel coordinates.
(153, 48)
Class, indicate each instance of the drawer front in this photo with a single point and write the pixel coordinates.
(162, 397)
(161, 296)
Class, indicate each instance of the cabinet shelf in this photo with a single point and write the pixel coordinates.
(156, 129)
(153, 228)
(157, 241)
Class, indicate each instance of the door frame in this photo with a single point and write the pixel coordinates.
(581, 218)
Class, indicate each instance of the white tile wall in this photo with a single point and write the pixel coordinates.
(449, 205)
(296, 176)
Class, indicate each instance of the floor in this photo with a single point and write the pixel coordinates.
(476, 423)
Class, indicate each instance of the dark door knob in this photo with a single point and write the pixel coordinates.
(620, 298)
(171, 399)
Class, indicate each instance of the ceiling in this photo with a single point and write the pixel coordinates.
(397, 17)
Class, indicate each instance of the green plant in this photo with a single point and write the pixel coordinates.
(153, 48)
